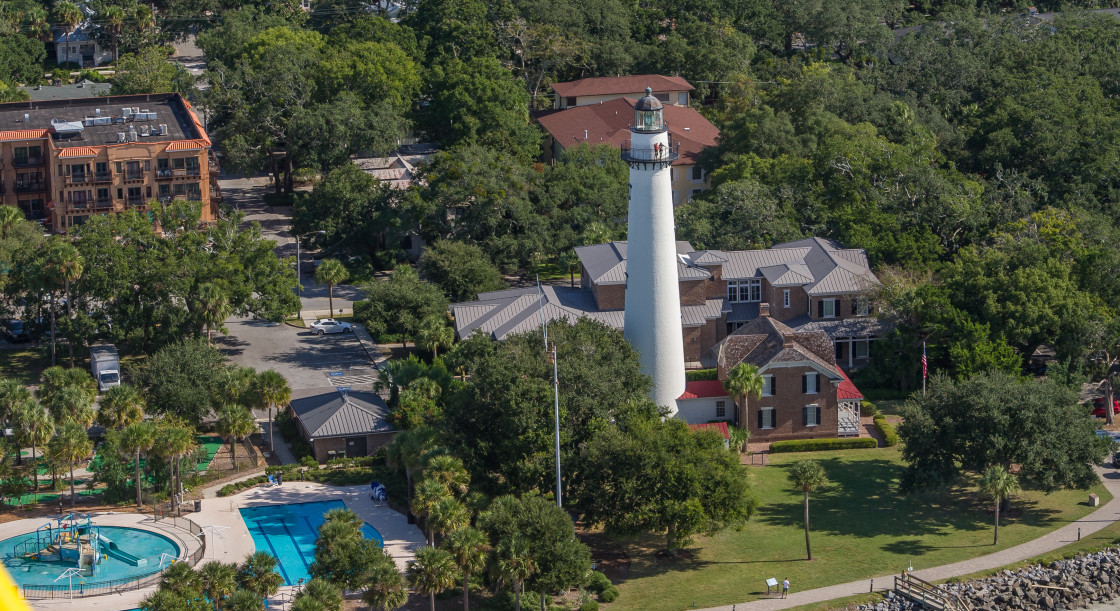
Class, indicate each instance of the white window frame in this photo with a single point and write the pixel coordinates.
(721, 409)
(692, 174)
(811, 415)
(771, 418)
(812, 383)
(785, 298)
(767, 385)
(829, 304)
(751, 287)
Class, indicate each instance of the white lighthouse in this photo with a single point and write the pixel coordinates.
(653, 303)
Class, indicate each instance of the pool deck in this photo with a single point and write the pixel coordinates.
(401, 538)
(127, 600)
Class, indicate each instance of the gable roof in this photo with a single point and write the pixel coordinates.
(609, 122)
(606, 263)
(847, 390)
(607, 85)
(719, 427)
(703, 389)
(768, 343)
(337, 414)
(822, 266)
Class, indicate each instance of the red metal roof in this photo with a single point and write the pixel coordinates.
(608, 123)
(77, 151)
(714, 426)
(23, 134)
(607, 85)
(700, 389)
(847, 390)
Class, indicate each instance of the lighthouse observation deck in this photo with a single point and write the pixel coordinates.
(660, 155)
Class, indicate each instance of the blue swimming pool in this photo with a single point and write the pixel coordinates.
(288, 532)
(134, 553)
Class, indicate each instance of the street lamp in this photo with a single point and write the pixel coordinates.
(299, 269)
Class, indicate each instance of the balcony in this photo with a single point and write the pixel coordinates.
(30, 162)
(167, 174)
(78, 204)
(135, 200)
(77, 179)
(103, 202)
(134, 175)
(102, 177)
(660, 157)
(30, 187)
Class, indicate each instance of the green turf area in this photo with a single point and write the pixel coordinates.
(24, 365)
(861, 527)
(47, 497)
(212, 445)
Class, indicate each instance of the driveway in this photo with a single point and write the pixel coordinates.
(306, 360)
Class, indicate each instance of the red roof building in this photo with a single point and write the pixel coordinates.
(847, 391)
(700, 389)
(671, 90)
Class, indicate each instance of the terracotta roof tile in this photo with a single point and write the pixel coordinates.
(23, 134)
(607, 85)
(186, 145)
(77, 151)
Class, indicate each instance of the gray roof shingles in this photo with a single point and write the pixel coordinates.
(337, 414)
(822, 266)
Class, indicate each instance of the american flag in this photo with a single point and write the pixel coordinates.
(925, 364)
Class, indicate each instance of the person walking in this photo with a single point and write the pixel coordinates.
(785, 588)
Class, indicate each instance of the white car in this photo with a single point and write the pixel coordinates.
(330, 325)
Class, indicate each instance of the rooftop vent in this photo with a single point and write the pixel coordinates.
(67, 127)
(121, 137)
(131, 133)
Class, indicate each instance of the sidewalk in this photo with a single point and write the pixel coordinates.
(1107, 514)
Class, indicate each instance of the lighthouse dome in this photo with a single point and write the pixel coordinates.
(648, 113)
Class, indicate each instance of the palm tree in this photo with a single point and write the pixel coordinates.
(214, 308)
(10, 216)
(807, 475)
(433, 333)
(13, 394)
(72, 404)
(144, 17)
(744, 381)
(448, 471)
(114, 22)
(409, 450)
(432, 571)
(70, 266)
(513, 564)
(243, 600)
(172, 442)
(272, 390)
(39, 24)
(318, 595)
(67, 15)
(428, 494)
(330, 273)
(345, 516)
(447, 515)
(121, 406)
(54, 379)
(258, 575)
(180, 578)
(55, 258)
(237, 385)
(237, 423)
(71, 444)
(218, 581)
(137, 438)
(997, 483)
(34, 426)
(385, 587)
(468, 547)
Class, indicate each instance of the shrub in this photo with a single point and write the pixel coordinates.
(608, 595)
(598, 582)
(818, 445)
(589, 606)
(868, 408)
(890, 437)
(226, 490)
(700, 374)
(309, 462)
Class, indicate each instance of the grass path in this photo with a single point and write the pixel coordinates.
(860, 528)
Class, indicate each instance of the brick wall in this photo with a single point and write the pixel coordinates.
(609, 296)
(788, 401)
(338, 444)
(694, 292)
(798, 302)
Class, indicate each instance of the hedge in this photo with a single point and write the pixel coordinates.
(890, 437)
(817, 445)
(700, 374)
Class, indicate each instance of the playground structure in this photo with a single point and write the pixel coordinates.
(73, 540)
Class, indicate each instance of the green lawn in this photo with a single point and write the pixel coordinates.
(24, 365)
(861, 528)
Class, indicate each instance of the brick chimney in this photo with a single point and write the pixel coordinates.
(764, 310)
(787, 340)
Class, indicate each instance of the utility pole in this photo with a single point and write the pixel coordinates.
(556, 419)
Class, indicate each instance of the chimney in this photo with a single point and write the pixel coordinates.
(764, 310)
(787, 341)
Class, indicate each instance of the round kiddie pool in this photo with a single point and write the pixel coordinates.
(101, 553)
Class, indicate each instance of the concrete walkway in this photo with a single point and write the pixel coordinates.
(1061, 537)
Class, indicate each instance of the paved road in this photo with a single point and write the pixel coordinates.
(306, 360)
(1061, 537)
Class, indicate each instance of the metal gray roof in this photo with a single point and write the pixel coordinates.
(502, 313)
(606, 263)
(699, 315)
(337, 414)
(822, 266)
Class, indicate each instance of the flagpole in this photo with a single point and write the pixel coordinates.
(925, 368)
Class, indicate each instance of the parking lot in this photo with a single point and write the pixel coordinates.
(306, 360)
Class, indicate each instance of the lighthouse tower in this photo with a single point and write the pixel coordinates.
(653, 303)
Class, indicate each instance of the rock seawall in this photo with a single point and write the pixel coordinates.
(1076, 583)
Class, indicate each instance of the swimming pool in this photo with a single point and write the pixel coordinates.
(135, 553)
(288, 532)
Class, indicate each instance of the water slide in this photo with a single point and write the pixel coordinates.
(109, 548)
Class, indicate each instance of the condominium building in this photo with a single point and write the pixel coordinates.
(62, 161)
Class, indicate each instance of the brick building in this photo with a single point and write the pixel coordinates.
(341, 423)
(62, 161)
